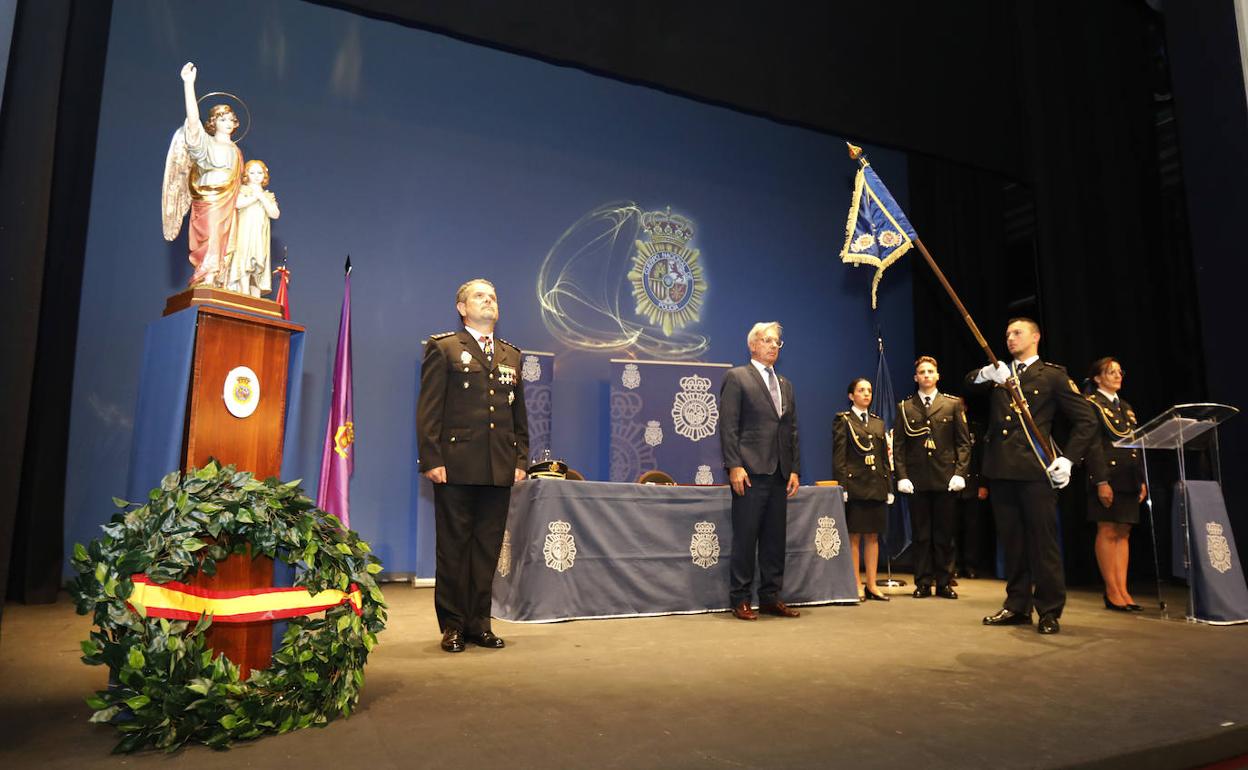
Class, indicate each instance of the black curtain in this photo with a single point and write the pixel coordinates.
(47, 154)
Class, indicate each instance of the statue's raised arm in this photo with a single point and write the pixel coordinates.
(203, 171)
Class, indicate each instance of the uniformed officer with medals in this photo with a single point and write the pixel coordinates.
(1023, 486)
(473, 441)
(932, 452)
(1115, 483)
(860, 465)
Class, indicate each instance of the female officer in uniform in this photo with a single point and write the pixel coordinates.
(1115, 483)
(860, 466)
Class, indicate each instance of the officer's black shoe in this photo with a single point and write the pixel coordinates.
(922, 592)
(946, 592)
(1048, 624)
(453, 640)
(1004, 617)
(487, 639)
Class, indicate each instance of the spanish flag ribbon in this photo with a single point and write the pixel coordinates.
(179, 601)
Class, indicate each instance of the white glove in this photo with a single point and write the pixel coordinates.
(845, 495)
(890, 498)
(956, 483)
(905, 486)
(1059, 472)
(997, 373)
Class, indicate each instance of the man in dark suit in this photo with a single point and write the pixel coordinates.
(931, 452)
(1022, 484)
(473, 440)
(758, 437)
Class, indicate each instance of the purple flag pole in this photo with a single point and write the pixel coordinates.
(333, 493)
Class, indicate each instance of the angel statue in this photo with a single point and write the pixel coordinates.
(203, 173)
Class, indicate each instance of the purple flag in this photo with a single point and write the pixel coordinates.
(333, 493)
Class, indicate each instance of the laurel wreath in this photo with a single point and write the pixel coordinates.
(166, 689)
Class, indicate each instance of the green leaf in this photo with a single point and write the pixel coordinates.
(311, 676)
(193, 544)
(90, 647)
(80, 552)
(343, 548)
(229, 721)
(101, 572)
(138, 702)
(344, 620)
(207, 473)
(97, 703)
(117, 501)
(374, 568)
(104, 716)
(135, 658)
(200, 685)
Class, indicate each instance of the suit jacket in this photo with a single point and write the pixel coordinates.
(470, 415)
(1122, 468)
(1008, 453)
(943, 425)
(751, 434)
(860, 457)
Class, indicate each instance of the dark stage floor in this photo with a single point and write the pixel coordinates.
(912, 683)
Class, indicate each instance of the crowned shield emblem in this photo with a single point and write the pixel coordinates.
(703, 476)
(704, 547)
(504, 554)
(1217, 547)
(654, 433)
(241, 392)
(667, 274)
(694, 409)
(827, 538)
(532, 369)
(560, 547)
(631, 376)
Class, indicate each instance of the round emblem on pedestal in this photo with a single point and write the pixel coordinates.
(241, 391)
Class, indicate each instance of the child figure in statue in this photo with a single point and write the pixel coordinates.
(203, 173)
(249, 269)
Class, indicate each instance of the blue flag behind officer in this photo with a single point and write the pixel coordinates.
(877, 232)
(898, 533)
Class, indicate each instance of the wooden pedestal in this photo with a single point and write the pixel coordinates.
(226, 339)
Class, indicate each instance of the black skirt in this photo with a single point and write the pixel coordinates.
(866, 516)
(1124, 510)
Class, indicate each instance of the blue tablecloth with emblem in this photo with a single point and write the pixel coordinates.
(585, 549)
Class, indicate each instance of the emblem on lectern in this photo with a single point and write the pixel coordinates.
(504, 555)
(827, 539)
(241, 392)
(560, 547)
(703, 476)
(532, 369)
(694, 409)
(704, 547)
(1219, 550)
(667, 275)
(631, 376)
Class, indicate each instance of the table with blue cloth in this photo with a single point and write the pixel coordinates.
(589, 549)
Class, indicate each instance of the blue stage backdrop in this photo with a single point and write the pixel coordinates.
(614, 220)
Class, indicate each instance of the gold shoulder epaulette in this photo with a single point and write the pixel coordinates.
(442, 335)
(508, 344)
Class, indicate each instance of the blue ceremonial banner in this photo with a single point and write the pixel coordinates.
(665, 416)
(877, 232)
(1220, 595)
(899, 534)
(538, 373)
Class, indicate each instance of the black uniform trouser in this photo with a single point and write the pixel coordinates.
(470, 521)
(1026, 517)
(932, 517)
(759, 521)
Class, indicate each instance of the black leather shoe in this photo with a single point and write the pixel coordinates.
(874, 597)
(922, 592)
(487, 639)
(946, 592)
(1004, 617)
(1135, 608)
(453, 640)
(1115, 607)
(969, 573)
(1048, 624)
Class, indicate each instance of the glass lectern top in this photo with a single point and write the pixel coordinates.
(1177, 426)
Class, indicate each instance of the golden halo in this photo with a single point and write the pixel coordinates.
(241, 103)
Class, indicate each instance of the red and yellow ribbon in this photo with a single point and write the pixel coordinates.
(179, 601)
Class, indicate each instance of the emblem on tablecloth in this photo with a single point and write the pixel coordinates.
(654, 433)
(694, 409)
(560, 548)
(827, 539)
(704, 547)
(667, 274)
(1219, 550)
(631, 376)
(241, 392)
(504, 555)
(703, 476)
(532, 369)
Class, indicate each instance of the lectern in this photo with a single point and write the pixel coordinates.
(219, 380)
(1174, 430)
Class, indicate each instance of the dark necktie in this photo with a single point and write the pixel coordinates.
(864, 418)
(773, 387)
(1020, 368)
(1115, 402)
(487, 346)
(927, 402)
